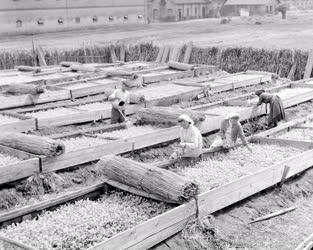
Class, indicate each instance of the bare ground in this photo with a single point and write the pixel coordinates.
(294, 32)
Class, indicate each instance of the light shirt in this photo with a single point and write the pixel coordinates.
(192, 138)
(119, 96)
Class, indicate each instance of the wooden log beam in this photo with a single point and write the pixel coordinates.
(180, 66)
(33, 144)
(24, 89)
(28, 69)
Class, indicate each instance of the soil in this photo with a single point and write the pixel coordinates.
(295, 32)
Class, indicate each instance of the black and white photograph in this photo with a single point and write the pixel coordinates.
(156, 124)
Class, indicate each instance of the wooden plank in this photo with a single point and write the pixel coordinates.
(24, 100)
(9, 244)
(188, 52)
(19, 170)
(17, 153)
(85, 155)
(109, 127)
(75, 118)
(49, 203)
(161, 227)
(285, 126)
(283, 142)
(309, 65)
(166, 77)
(165, 54)
(76, 93)
(20, 126)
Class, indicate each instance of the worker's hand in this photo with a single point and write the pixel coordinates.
(182, 145)
(249, 148)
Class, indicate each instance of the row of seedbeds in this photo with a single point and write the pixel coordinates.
(83, 224)
(86, 147)
(97, 80)
(117, 215)
(163, 93)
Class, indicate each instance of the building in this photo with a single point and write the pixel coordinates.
(50, 15)
(249, 7)
(299, 4)
(176, 10)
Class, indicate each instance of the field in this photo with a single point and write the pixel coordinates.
(84, 181)
(295, 32)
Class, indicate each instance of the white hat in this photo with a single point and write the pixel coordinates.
(232, 115)
(186, 118)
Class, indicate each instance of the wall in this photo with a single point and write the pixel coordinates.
(50, 11)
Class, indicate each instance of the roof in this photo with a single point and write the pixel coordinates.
(249, 2)
(189, 1)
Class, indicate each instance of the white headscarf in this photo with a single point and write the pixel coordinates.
(232, 115)
(186, 118)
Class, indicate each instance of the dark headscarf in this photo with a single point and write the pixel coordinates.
(259, 92)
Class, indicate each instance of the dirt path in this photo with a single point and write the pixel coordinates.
(295, 32)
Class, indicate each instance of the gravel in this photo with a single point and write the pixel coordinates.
(297, 134)
(6, 160)
(130, 132)
(52, 113)
(72, 144)
(84, 223)
(223, 168)
(95, 106)
(225, 110)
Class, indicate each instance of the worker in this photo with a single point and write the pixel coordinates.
(190, 139)
(277, 112)
(119, 98)
(236, 130)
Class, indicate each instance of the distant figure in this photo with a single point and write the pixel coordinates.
(236, 131)
(277, 112)
(119, 98)
(190, 139)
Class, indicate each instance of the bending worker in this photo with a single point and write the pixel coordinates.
(119, 98)
(277, 112)
(236, 130)
(190, 139)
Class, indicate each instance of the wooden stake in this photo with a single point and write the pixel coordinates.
(41, 57)
(272, 215)
(309, 65)
(160, 55)
(188, 52)
(283, 178)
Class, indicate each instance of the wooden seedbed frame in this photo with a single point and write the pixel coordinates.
(25, 123)
(165, 101)
(50, 164)
(28, 166)
(161, 227)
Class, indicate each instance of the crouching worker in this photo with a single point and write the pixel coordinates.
(119, 98)
(236, 130)
(277, 112)
(190, 139)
